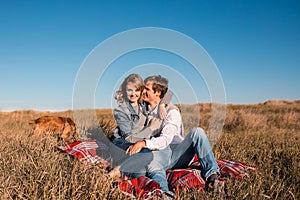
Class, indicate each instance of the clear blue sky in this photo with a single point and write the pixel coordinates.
(255, 45)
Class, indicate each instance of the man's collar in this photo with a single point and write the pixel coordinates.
(154, 111)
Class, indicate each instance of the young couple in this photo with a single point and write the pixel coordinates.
(150, 131)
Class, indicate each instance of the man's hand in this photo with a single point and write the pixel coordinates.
(137, 147)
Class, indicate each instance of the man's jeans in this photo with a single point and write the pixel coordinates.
(196, 142)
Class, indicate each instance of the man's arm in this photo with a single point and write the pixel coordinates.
(137, 147)
(171, 127)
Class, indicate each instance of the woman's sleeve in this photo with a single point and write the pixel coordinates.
(123, 122)
(127, 128)
(137, 136)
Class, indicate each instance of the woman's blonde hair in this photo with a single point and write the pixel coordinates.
(120, 95)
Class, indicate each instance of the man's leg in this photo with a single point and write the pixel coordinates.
(156, 169)
(196, 142)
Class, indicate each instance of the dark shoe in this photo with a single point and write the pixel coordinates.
(215, 185)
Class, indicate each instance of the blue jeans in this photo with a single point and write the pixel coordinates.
(196, 142)
(117, 151)
(154, 163)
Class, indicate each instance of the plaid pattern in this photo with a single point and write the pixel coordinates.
(140, 187)
(145, 187)
(188, 178)
(85, 151)
(185, 178)
(228, 168)
(233, 169)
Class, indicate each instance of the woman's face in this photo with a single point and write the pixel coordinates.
(133, 92)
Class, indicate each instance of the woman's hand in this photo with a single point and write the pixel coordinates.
(137, 147)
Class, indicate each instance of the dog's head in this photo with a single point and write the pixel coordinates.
(69, 129)
(64, 127)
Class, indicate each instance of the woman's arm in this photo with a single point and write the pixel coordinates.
(145, 133)
(134, 131)
(134, 137)
(124, 123)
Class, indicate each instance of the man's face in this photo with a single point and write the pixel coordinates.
(149, 95)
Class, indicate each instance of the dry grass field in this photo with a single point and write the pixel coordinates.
(266, 135)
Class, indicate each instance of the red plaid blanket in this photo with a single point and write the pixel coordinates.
(85, 151)
(178, 179)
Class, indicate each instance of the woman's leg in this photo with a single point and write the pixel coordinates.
(152, 164)
(117, 151)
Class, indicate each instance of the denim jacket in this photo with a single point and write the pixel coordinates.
(127, 121)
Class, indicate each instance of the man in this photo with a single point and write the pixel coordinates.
(168, 148)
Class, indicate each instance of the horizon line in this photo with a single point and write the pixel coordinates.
(272, 101)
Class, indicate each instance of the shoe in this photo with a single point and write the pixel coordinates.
(215, 185)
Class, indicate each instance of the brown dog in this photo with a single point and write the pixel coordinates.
(63, 126)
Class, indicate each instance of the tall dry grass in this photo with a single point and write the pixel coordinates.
(267, 135)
